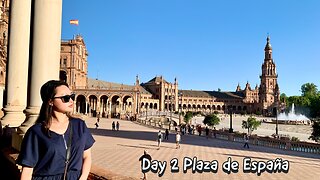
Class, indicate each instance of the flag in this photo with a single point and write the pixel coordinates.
(74, 21)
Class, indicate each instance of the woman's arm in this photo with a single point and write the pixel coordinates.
(86, 166)
(26, 173)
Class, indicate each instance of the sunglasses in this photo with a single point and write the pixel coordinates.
(66, 98)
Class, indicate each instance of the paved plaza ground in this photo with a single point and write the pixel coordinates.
(118, 152)
(302, 132)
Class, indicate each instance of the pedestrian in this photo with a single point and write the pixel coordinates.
(96, 124)
(117, 125)
(214, 132)
(159, 138)
(207, 132)
(113, 126)
(246, 140)
(178, 139)
(166, 136)
(145, 156)
(57, 146)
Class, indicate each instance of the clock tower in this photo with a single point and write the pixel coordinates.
(269, 94)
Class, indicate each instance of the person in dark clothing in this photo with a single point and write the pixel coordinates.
(207, 132)
(117, 125)
(246, 140)
(58, 145)
(166, 136)
(145, 156)
(113, 126)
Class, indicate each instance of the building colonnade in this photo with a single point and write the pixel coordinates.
(33, 58)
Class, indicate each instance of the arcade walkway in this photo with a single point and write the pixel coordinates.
(117, 153)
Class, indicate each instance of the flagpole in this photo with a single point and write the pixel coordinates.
(76, 23)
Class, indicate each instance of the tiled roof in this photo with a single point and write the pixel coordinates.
(99, 84)
(156, 80)
(216, 94)
(143, 90)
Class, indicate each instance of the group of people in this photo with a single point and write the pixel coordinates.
(115, 126)
(159, 138)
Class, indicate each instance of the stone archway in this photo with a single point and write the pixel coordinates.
(81, 104)
(63, 76)
(93, 101)
(115, 106)
(127, 105)
(104, 108)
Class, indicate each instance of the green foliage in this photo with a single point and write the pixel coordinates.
(309, 89)
(251, 124)
(315, 135)
(284, 98)
(188, 116)
(258, 113)
(211, 120)
(309, 99)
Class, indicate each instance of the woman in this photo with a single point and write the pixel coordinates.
(57, 145)
(178, 139)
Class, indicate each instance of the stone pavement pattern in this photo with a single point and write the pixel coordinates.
(119, 151)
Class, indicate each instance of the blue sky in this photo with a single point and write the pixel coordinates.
(206, 44)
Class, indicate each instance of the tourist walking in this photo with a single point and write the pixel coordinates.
(145, 156)
(246, 140)
(117, 125)
(166, 135)
(96, 124)
(113, 126)
(207, 132)
(178, 139)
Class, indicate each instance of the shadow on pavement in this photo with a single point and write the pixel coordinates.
(193, 140)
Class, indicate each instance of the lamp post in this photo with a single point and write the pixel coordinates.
(230, 113)
(180, 106)
(276, 96)
(170, 109)
(146, 111)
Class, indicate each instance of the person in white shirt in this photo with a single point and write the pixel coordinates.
(178, 139)
(159, 138)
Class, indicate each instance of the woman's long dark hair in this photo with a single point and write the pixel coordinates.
(47, 92)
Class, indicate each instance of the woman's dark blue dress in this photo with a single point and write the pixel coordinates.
(47, 155)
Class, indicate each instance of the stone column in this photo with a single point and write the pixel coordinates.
(86, 111)
(46, 44)
(110, 110)
(17, 75)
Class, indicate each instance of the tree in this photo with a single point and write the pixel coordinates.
(315, 135)
(284, 98)
(211, 120)
(309, 89)
(251, 124)
(188, 116)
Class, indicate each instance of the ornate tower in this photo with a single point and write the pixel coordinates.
(269, 89)
(73, 62)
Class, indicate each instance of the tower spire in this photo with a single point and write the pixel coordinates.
(268, 50)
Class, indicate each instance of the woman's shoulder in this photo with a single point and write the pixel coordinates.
(77, 121)
(35, 128)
